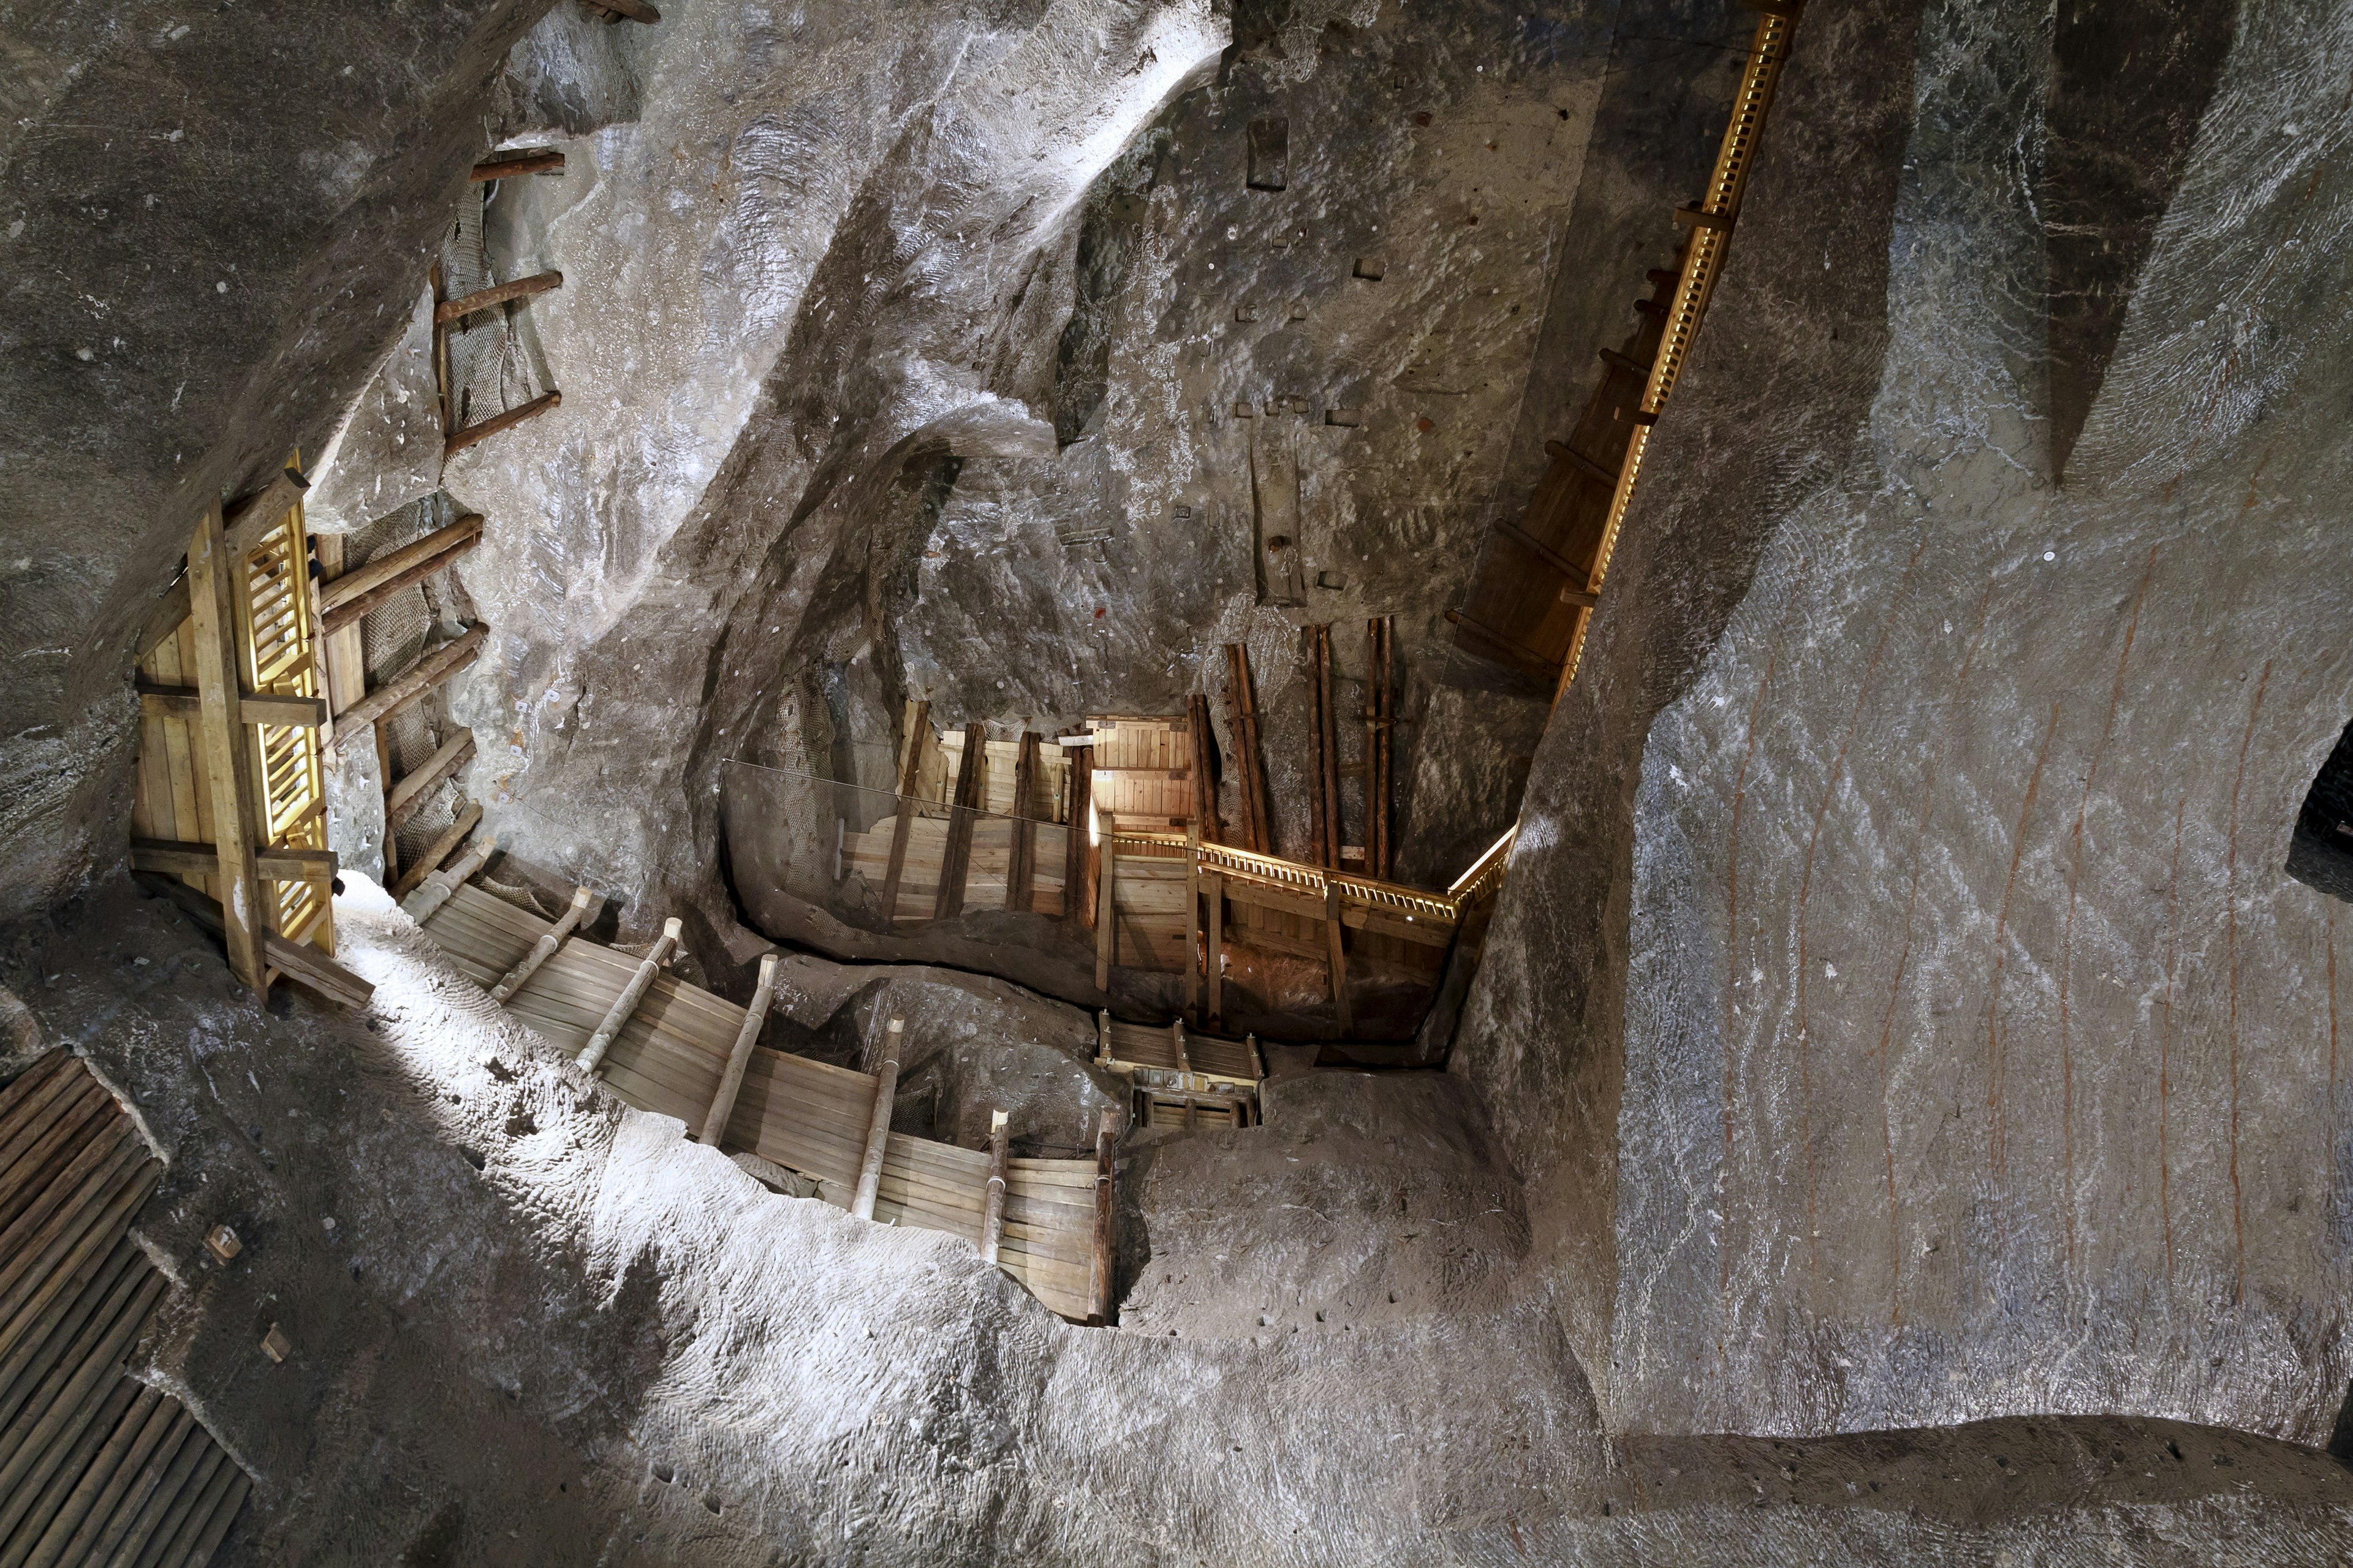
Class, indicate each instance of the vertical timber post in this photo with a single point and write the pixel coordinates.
(878, 1126)
(992, 1213)
(227, 758)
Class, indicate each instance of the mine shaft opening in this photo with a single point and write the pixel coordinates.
(2320, 852)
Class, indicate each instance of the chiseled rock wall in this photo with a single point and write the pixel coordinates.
(1898, 1003)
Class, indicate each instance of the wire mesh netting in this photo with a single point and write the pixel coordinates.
(492, 368)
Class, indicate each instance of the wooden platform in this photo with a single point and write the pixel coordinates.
(806, 1116)
(95, 1467)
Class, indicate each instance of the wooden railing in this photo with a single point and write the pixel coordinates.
(1418, 905)
(277, 656)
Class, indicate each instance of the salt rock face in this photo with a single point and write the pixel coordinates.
(387, 452)
(1898, 1002)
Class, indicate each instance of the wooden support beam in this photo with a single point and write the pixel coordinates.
(1099, 1272)
(412, 685)
(540, 163)
(1193, 917)
(731, 1082)
(483, 429)
(174, 859)
(1021, 863)
(442, 379)
(956, 857)
(165, 618)
(584, 905)
(1626, 362)
(1692, 216)
(1519, 652)
(306, 966)
(1106, 902)
(227, 756)
(1337, 956)
(992, 1208)
(1325, 797)
(878, 1125)
(253, 708)
(343, 666)
(1102, 1035)
(1241, 703)
(1213, 888)
(245, 520)
(440, 850)
(498, 294)
(911, 773)
(1582, 463)
(401, 801)
(617, 1016)
(343, 601)
(1205, 818)
(1085, 869)
(1540, 549)
(1177, 1042)
(1380, 730)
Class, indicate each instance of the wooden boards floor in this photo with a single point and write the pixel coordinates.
(807, 1116)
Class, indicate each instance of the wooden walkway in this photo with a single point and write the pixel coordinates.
(673, 1051)
(95, 1467)
(1181, 1079)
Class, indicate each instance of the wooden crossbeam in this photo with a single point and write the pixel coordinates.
(1579, 461)
(174, 859)
(245, 521)
(1628, 363)
(228, 759)
(306, 966)
(482, 430)
(878, 1125)
(497, 294)
(410, 686)
(544, 162)
(1692, 216)
(439, 850)
(253, 708)
(731, 1080)
(624, 1006)
(343, 601)
(400, 803)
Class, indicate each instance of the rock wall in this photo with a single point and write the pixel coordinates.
(1898, 1002)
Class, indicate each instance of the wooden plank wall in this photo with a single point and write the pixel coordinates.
(1144, 769)
(804, 1115)
(95, 1465)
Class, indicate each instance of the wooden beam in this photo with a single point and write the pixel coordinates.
(1325, 798)
(1257, 828)
(305, 965)
(253, 708)
(1205, 774)
(1691, 216)
(617, 1016)
(542, 163)
(442, 379)
(1540, 549)
(246, 520)
(400, 802)
(911, 773)
(1100, 1266)
(1582, 463)
(584, 905)
(173, 858)
(1213, 888)
(1380, 732)
(440, 850)
(482, 430)
(1079, 896)
(359, 590)
(731, 1082)
(1106, 902)
(227, 756)
(165, 618)
(1628, 363)
(878, 1125)
(992, 1208)
(411, 685)
(498, 294)
(955, 857)
(1521, 654)
(1336, 956)
(344, 667)
(1021, 867)
(1193, 917)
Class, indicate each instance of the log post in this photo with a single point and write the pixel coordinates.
(1328, 829)
(483, 429)
(1107, 902)
(878, 1127)
(1213, 888)
(1085, 865)
(1336, 955)
(964, 812)
(593, 1054)
(1021, 872)
(1380, 723)
(1176, 1038)
(1099, 1278)
(227, 756)
(731, 1082)
(584, 905)
(1258, 829)
(911, 771)
(992, 1213)
(1103, 1036)
(440, 886)
(438, 852)
(1193, 913)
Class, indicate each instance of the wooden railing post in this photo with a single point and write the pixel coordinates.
(1098, 1280)
(731, 1082)
(878, 1126)
(593, 1055)
(1338, 956)
(582, 900)
(1106, 902)
(1021, 870)
(213, 594)
(992, 1213)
